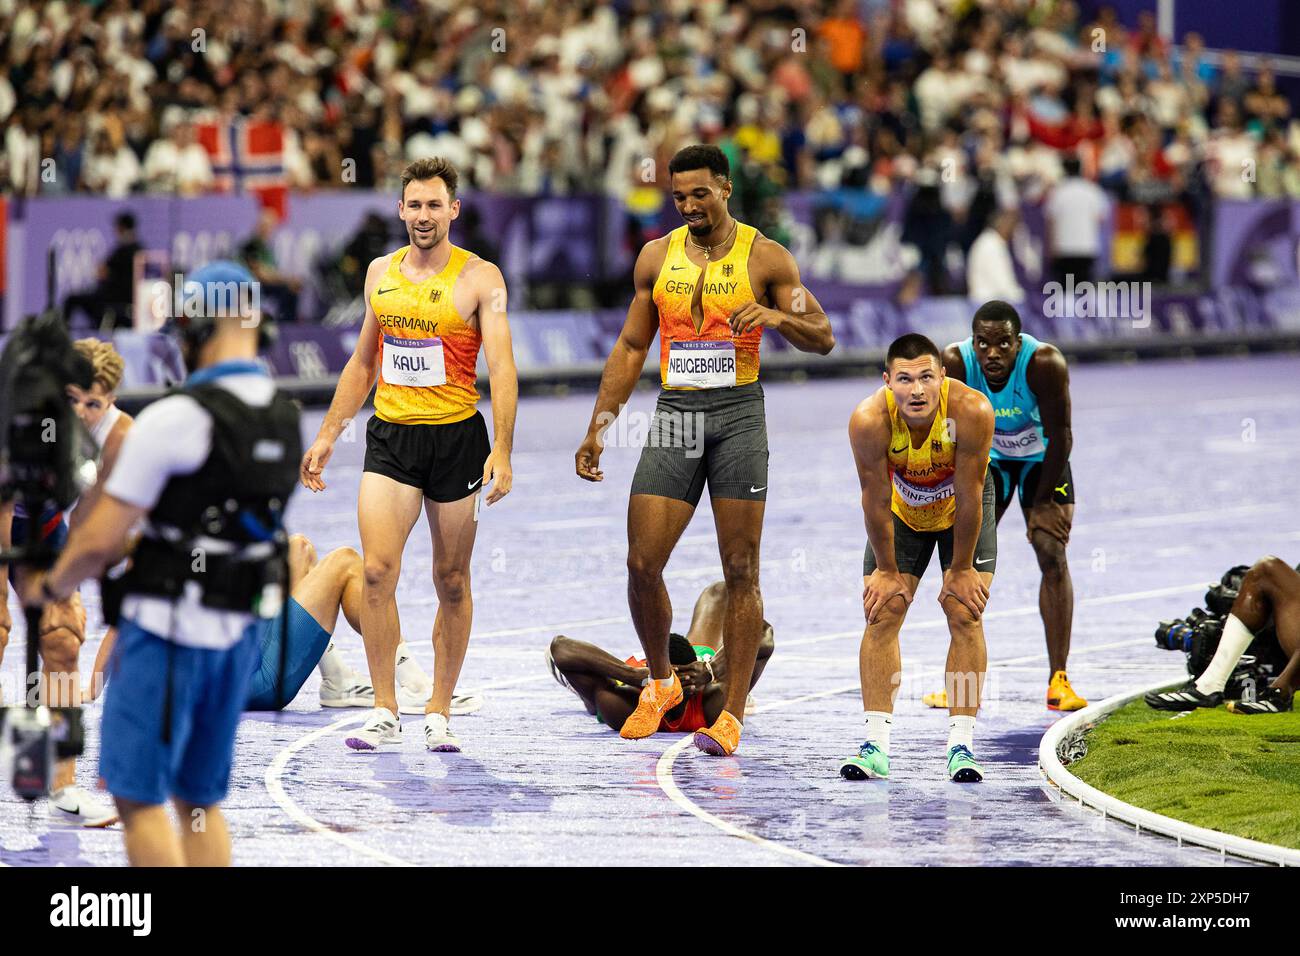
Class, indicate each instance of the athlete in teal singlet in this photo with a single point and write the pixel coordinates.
(1028, 383)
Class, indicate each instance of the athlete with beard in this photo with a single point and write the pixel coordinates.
(429, 307)
(711, 288)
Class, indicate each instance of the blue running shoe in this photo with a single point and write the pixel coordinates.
(869, 763)
(962, 767)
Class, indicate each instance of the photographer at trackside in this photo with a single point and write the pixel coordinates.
(210, 467)
(1270, 590)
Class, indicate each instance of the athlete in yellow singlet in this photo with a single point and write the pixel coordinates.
(921, 446)
(711, 288)
(429, 307)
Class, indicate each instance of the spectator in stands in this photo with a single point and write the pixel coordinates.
(1076, 209)
(177, 163)
(279, 289)
(1231, 155)
(111, 169)
(1263, 104)
(928, 227)
(990, 269)
(113, 293)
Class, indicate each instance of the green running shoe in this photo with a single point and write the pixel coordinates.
(869, 763)
(962, 767)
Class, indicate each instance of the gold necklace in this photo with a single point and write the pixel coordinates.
(708, 250)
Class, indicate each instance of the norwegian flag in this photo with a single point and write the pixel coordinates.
(248, 156)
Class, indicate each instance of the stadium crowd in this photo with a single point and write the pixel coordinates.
(542, 98)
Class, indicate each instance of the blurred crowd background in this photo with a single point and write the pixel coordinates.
(963, 108)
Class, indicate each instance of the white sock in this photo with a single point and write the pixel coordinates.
(961, 732)
(409, 670)
(331, 664)
(1236, 638)
(665, 682)
(878, 724)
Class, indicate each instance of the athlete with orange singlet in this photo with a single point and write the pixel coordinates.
(711, 288)
(429, 307)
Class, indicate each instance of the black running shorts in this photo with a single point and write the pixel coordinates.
(1022, 477)
(713, 435)
(913, 549)
(443, 461)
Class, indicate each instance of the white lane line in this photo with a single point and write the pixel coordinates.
(664, 774)
(276, 789)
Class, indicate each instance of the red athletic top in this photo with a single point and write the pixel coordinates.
(692, 718)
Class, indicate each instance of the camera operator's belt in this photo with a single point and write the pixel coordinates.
(231, 577)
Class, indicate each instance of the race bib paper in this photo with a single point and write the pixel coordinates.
(918, 496)
(416, 362)
(701, 365)
(1024, 443)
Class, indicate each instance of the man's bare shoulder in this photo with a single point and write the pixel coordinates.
(478, 270)
(872, 413)
(770, 257)
(655, 251)
(968, 402)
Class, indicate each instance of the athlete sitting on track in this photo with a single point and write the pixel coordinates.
(1270, 589)
(319, 589)
(610, 688)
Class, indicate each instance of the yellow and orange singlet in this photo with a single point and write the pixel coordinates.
(428, 353)
(922, 495)
(710, 356)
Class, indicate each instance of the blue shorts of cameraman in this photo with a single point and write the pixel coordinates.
(170, 715)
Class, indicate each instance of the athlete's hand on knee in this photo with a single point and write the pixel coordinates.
(6, 623)
(879, 588)
(313, 464)
(587, 460)
(1049, 518)
(967, 587)
(497, 471)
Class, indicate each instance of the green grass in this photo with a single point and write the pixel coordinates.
(1223, 771)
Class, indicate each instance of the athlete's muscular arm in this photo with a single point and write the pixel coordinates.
(355, 382)
(112, 445)
(1048, 377)
(953, 364)
(795, 311)
(98, 543)
(623, 367)
(490, 288)
(869, 433)
(972, 416)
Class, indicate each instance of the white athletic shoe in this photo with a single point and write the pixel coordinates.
(78, 805)
(381, 727)
(412, 700)
(438, 736)
(350, 690)
(462, 704)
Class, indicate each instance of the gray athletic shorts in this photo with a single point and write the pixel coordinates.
(718, 435)
(913, 549)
